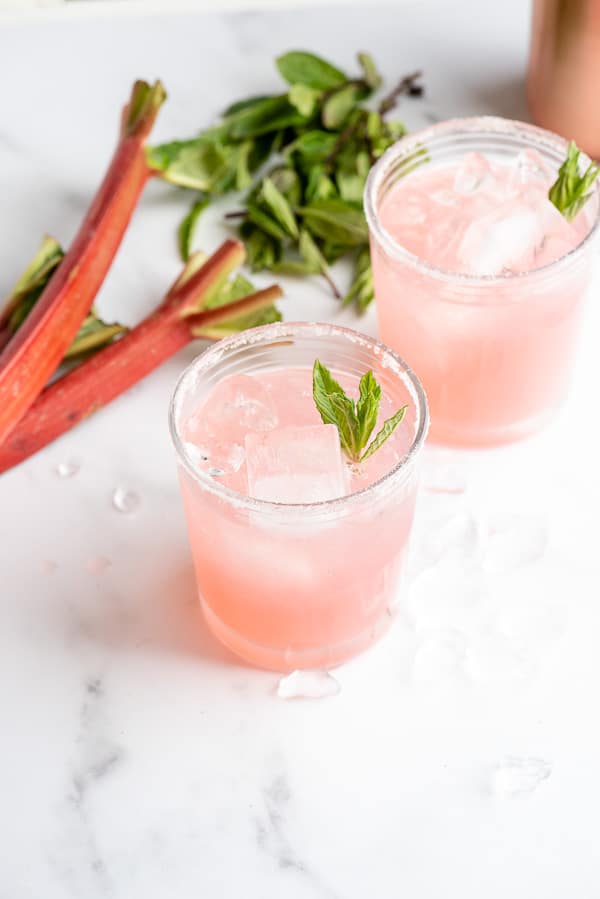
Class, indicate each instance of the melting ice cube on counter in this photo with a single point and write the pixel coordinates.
(311, 684)
(295, 464)
(517, 777)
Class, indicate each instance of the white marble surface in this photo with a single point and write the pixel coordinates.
(137, 758)
(63, 10)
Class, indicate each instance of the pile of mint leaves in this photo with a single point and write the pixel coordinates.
(302, 159)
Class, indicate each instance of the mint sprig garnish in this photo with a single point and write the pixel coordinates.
(355, 421)
(571, 190)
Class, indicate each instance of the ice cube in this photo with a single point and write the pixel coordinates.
(316, 684)
(499, 239)
(455, 537)
(559, 236)
(401, 215)
(474, 173)
(444, 197)
(529, 168)
(529, 619)
(494, 660)
(216, 456)
(439, 656)
(513, 541)
(515, 776)
(444, 237)
(446, 595)
(246, 402)
(295, 464)
(236, 405)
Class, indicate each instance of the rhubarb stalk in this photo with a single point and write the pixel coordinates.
(33, 353)
(113, 370)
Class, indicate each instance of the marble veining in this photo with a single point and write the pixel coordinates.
(95, 757)
(272, 837)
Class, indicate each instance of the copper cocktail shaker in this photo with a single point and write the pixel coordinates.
(564, 70)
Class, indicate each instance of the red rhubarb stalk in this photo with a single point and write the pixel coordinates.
(32, 355)
(118, 367)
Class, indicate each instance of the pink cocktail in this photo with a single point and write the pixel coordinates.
(479, 280)
(299, 555)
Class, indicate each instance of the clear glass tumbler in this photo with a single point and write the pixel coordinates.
(305, 585)
(494, 353)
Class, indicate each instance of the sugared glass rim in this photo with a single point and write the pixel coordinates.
(485, 126)
(266, 334)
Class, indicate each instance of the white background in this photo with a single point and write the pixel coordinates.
(137, 758)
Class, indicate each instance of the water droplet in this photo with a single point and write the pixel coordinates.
(48, 566)
(126, 501)
(98, 565)
(518, 777)
(316, 684)
(67, 469)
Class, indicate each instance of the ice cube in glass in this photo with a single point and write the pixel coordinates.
(295, 464)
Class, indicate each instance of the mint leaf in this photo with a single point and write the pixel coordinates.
(298, 67)
(93, 333)
(37, 273)
(336, 221)
(347, 424)
(262, 250)
(200, 163)
(279, 207)
(187, 227)
(265, 222)
(351, 187)
(248, 103)
(312, 147)
(304, 98)
(386, 431)
(229, 292)
(325, 387)
(261, 117)
(335, 408)
(367, 406)
(571, 190)
(340, 104)
(371, 75)
(355, 422)
(311, 253)
(361, 290)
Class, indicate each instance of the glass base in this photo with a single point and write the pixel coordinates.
(290, 659)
